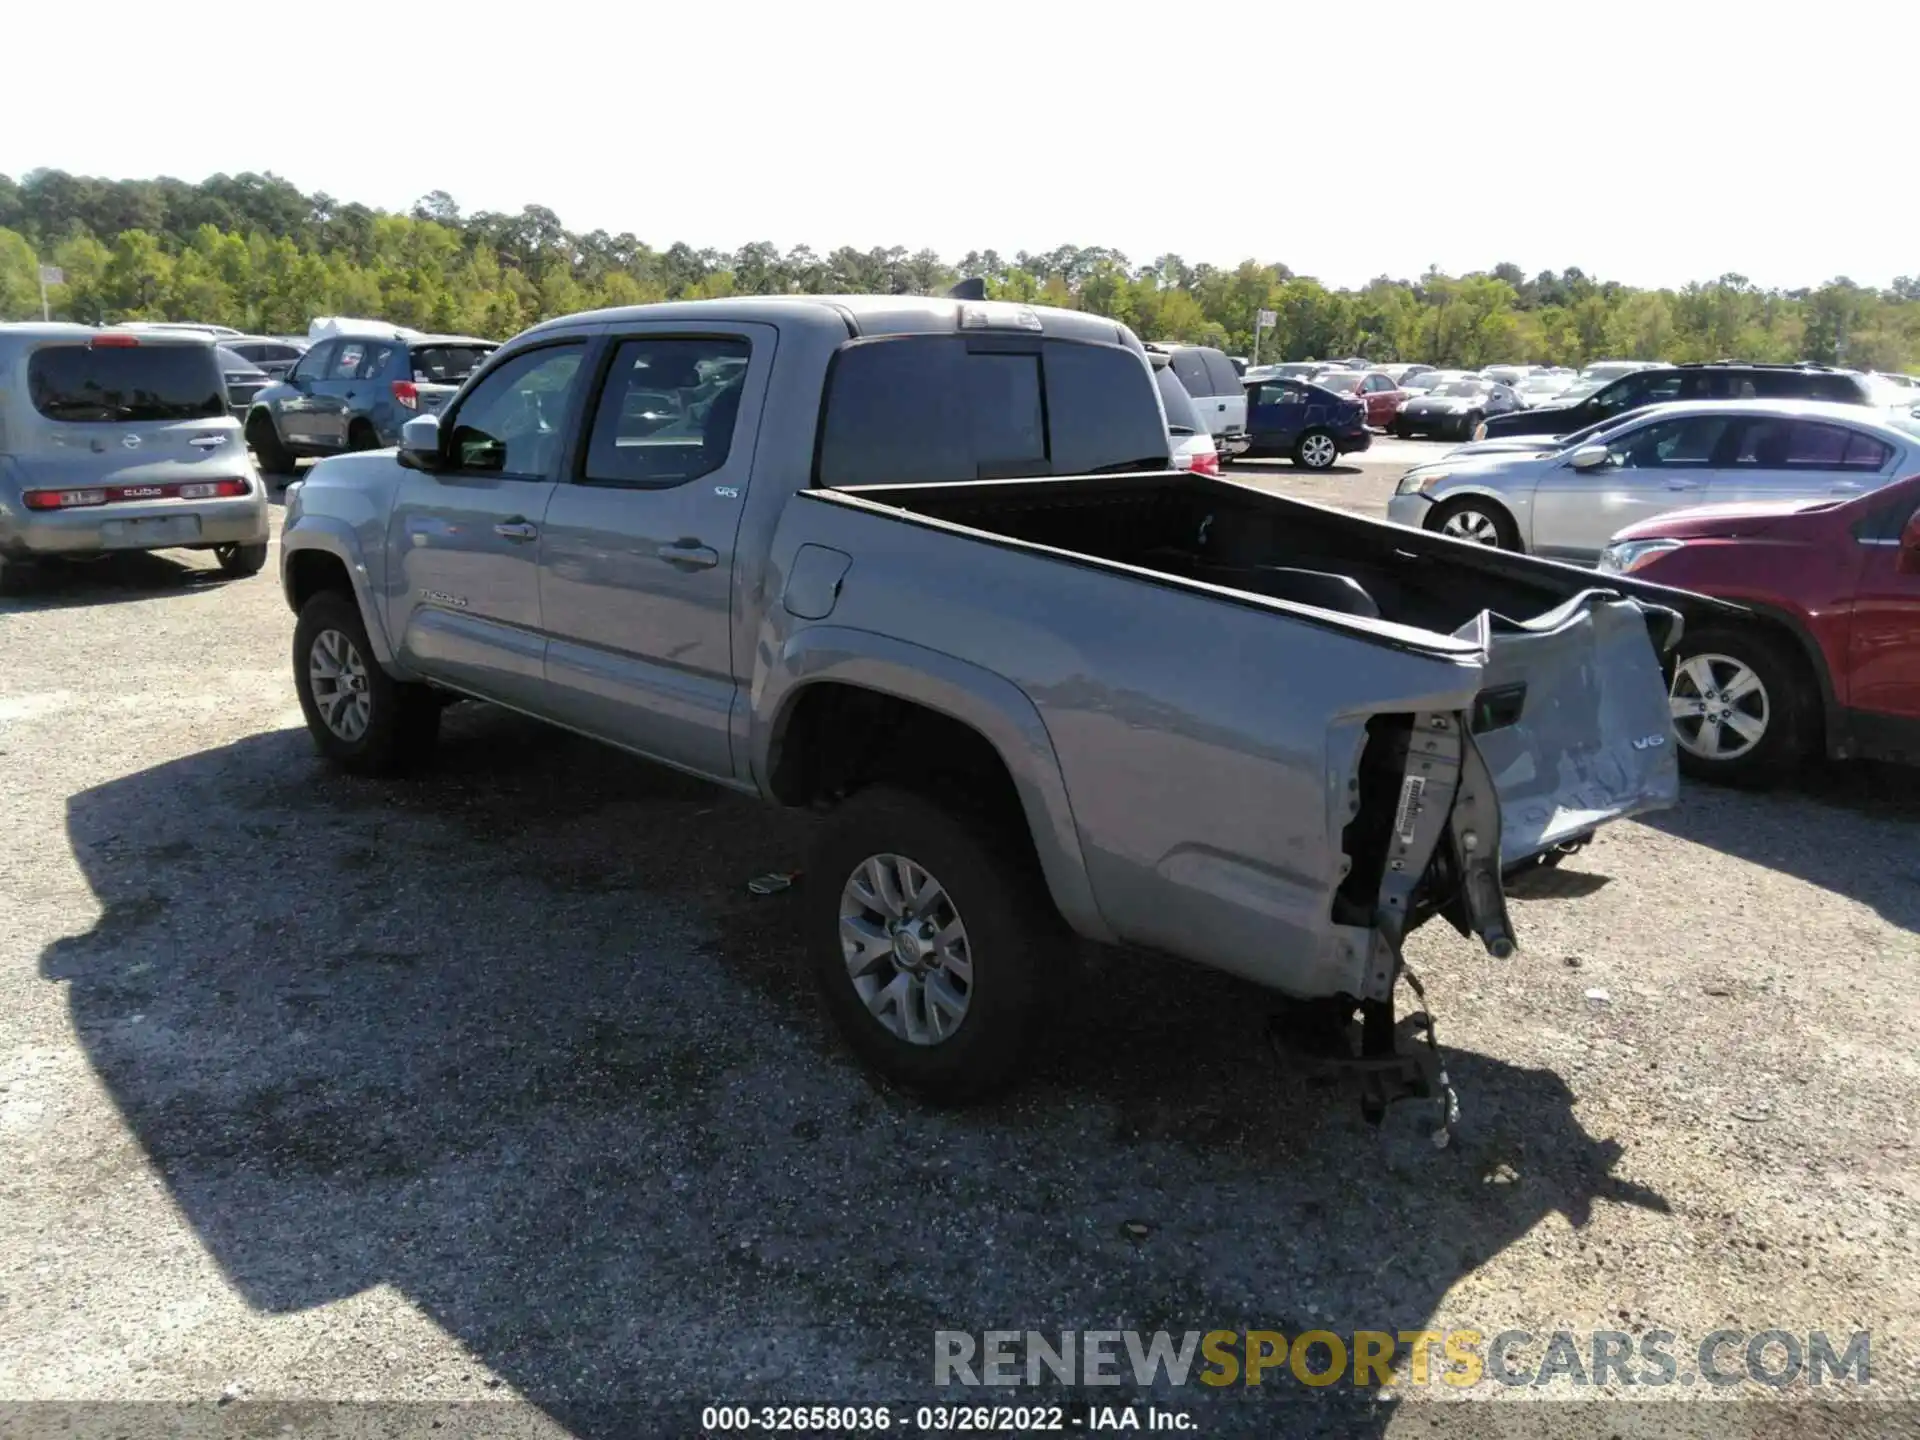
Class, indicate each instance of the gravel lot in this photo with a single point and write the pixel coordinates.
(497, 1082)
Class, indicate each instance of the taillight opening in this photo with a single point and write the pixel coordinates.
(407, 393)
(116, 341)
(1207, 462)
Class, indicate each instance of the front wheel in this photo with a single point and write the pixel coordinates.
(360, 717)
(930, 933)
(1316, 450)
(1742, 707)
(1479, 521)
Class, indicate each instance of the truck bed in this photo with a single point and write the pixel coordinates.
(1239, 538)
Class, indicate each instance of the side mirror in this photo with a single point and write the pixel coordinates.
(420, 443)
(1909, 563)
(1589, 457)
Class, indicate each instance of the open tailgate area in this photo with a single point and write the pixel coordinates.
(1572, 721)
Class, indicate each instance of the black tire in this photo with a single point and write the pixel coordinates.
(241, 560)
(1015, 940)
(17, 577)
(264, 440)
(1506, 534)
(362, 436)
(403, 720)
(1400, 432)
(1785, 705)
(1310, 454)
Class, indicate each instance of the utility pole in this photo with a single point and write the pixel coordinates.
(1261, 320)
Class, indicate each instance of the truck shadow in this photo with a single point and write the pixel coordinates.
(515, 1039)
(1872, 855)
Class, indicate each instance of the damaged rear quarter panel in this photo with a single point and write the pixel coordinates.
(1207, 782)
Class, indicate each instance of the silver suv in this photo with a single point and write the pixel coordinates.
(121, 440)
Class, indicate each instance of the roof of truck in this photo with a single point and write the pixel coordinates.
(861, 315)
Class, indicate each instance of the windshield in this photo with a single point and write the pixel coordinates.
(1545, 383)
(1182, 417)
(1463, 387)
(81, 383)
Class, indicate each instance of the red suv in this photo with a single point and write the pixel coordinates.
(1830, 663)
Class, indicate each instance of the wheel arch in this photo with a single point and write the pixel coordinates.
(823, 673)
(319, 554)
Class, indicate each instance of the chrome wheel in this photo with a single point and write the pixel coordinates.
(1318, 451)
(906, 949)
(1474, 525)
(1720, 707)
(339, 679)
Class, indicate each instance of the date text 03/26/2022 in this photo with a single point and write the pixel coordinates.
(939, 1419)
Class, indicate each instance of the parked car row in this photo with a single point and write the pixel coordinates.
(1805, 511)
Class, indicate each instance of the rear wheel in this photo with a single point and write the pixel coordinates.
(264, 441)
(360, 717)
(1315, 450)
(241, 560)
(1742, 707)
(17, 576)
(1473, 519)
(931, 934)
(362, 436)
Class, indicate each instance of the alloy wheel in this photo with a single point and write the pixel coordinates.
(906, 949)
(1474, 525)
(1319, 451)
(338, 676)
(1720, 707)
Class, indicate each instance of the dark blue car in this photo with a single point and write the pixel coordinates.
(1309, 425)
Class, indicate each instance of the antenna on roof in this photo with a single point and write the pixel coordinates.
(971, 288)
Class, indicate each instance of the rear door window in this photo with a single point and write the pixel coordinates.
(667, 410)
(934, 410)
(83, 383)
(1812, 446)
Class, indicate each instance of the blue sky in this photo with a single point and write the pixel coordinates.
(1649, 143)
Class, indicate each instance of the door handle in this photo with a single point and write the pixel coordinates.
(519, 531)
(689, 555)
(1683, 484)
(1846, 487)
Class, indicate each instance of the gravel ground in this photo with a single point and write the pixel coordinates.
(498, 1083)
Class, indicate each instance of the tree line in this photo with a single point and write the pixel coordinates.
(254, 252)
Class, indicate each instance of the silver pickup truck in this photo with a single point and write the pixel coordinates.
(922, 561)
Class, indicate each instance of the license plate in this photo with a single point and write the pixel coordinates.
(146, 534)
